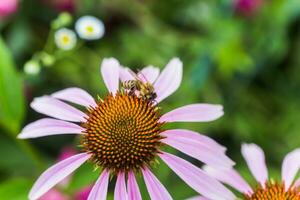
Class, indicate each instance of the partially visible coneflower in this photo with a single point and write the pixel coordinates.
(8, 7)
(266, 188)
(123, 134)
(62, 5)
(247, 8)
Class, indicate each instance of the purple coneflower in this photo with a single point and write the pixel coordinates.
(247, 7)
(123, 135)
(266, 188)
(8, 7)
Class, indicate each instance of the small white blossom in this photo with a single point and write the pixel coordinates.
(89, 28)
(65, 39)
(32, 67)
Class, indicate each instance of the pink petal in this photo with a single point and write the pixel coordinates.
(197, 148)
(155, 189)
(57, 109)
(230, 177)
(182, 133)
(255, 159)
(169, 79)
(194, 113)
(75, 95)
(48, 126)
(196, 178)
(124, 74)
(83, 193)
(110, 73)
(120, 189)
(53, 194)
(133, 188)
(99, 191)
(55, 174)
(290, 167)
(149, 74)
(64, 154)
(8, 7)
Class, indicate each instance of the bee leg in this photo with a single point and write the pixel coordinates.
(122, 90)
(131, 92)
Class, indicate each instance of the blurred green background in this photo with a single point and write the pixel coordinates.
(243, 54)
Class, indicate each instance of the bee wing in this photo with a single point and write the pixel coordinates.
(135, 75)
(132, 73)
(142, 77)
(139, 76)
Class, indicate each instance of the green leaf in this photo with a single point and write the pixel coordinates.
(84, 176)
(16, 189)
(11, 94)
(14, 156)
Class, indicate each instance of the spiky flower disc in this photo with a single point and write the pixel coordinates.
(274, 191)
(122, 132)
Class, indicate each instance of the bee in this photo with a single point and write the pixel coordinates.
(143, 89)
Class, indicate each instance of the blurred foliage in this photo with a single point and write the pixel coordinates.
(11, 114)
(247, 62)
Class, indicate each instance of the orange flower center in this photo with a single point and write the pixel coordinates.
(274, 191)
(122, 133)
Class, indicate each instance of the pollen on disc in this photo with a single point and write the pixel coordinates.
(122, 133)
(274, 191)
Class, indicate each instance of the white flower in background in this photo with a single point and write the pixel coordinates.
(32, 67)
(65, 39)
(89, 28)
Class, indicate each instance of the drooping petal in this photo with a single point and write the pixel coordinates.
(55, 108)
(169, 79)
(55, 174)
(133, 188)
(120, 189)
(110, 73)
(125, 74)
(199, 148)
(194, 113)
(75, 95)
(230, 177)
(196, 178)
(66, 152)
(149, 74)
(255, 159)
(48, 126)
(99, 191)
(290, 167)
(155, 189)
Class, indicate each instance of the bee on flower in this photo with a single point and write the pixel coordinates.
(89, 28)
(65, 39)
